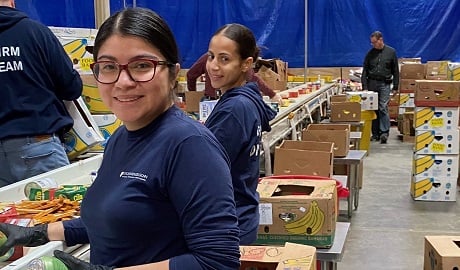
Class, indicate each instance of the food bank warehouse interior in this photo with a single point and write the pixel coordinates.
(229, 134)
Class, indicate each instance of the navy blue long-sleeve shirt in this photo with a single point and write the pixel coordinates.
(162, 192)
(36, 74)
(238, 120)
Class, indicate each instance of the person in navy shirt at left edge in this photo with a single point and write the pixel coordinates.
(239, 118)
(163, 196)
(36, 75)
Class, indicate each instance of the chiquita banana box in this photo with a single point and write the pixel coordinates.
(436, 142)
(300, 211)
(92, 97)
(439, 118)
(107, 124)
(440, 189)
(74, 41)
(84, 133)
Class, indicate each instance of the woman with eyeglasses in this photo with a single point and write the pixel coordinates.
(163, 196)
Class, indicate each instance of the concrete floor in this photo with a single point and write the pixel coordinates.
(388, 228)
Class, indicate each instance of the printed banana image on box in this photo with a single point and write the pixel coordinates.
(439, 118)
(74, 41)
(92, 97)
(107, 124)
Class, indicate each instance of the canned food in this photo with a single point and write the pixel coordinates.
(44, 183)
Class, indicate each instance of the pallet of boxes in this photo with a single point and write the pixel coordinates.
(298, 205)
(436, 147)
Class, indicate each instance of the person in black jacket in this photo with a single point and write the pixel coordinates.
(36, 74)
(380, 70)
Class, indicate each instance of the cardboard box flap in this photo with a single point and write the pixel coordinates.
(328, 127)
(273, 188)
(308, 145)
(446, 246)
(296, 256)
(291, 256)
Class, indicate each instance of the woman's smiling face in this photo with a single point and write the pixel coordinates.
(135, 103)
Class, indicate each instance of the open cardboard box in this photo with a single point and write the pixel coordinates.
(442, 252)
(294, 210)
(339, 134)
(290, 256)
(304, 157)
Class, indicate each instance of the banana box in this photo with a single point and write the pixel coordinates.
(74, 41)
(435, 166)
(436, 118)
(92, 97)
(439, 189)
(369, 100)
(442, 252)
(294, 210)
(289, 256)
(436, 142)
(84, 133)
(107, 124)
(454, 71)
(407, 85)
(437, 93)
(406, 100)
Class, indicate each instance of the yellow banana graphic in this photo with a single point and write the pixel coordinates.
(93, 100)
(403, 98)
(423, 163)
(421, 187)
(303, 221)
(303, 261)
(423, 116)
(310, 224)
(76, 48)
(446, 95)
(422, 140)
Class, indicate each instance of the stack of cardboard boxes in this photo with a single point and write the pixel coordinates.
(436, 147)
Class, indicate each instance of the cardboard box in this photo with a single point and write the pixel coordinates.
(436, 189)
(407, 85)
(437, 68)
(339, 134)
(369, 100)
(304, 158)
(345, 112)
(84, 133)
(289, 256)
(297, 210)
(435, 166)
(339, 98)
(442, 252)
(436, 118)
(91, 95)
(436, 142)
(74, 41)
(192, 100)
(107, 124)
(405, 60)
(412, 71)
(454, 71)
(437, 93)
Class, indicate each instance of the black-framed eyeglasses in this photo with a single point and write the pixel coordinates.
(139, 70)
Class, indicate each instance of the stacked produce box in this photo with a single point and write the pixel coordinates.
(436, 148)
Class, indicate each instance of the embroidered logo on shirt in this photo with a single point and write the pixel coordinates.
(133, 175)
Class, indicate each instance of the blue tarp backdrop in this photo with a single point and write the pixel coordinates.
(338, 30)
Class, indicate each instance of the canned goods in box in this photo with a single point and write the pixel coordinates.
(44, 183)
